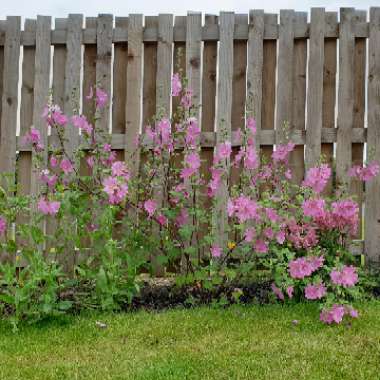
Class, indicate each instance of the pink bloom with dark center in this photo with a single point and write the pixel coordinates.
(261, 246)
(223, 151)
(216, 251)
(162, 219)
(48, 207)
(53, 161)
(277, 292)
(115, 189)
(317, 178)
(3, 225)
(101, 98)
(314, 292)
(244, 209)
(315, 208)
(150, 206)
(176, 85)
(66, 166)
(346, 277)
(333, 315)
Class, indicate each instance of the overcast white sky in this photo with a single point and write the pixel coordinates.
(60, 8)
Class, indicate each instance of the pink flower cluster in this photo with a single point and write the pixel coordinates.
(81, 123)
(317, 178)
(160, 136)
(248, 153)
(101, 97)
(243, 208)
(47, 207)
(34, 137)
(192, 165)
(365, 173)
(336, 313)
(116, 185)
(346, 277)
(3, 225)
(314, 292)
(302, 235)
(280, 295)
(176, 85)
(305, 266)
(54, 116)
(282, 152)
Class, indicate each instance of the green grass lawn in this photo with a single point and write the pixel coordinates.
(250, 342)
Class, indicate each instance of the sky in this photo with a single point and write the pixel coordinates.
(61, 8)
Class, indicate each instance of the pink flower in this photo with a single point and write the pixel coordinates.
(290, 291)
(162, 219)
(244, 209)
(81, 123)
(48, 207)
(314, 292)
(272, 215)
(101, 98)
(251, 125)
(49, 180)
(66, 166)
(107, 147)
(192, 131)
(223, 151)
(33, 137)
(119, 169)
(261, 246)
(176, 85)
(53, 161)
(182, 218)
(277, 292)
(316, 262)
(249, 234)
(365, 173)
(216, 251)
(251, 160)
(304, 266)
(347, 276)
(186, 100)
(352, 312)
(335, 314)
(280, 237)
(268, 233)
(54, 116)
(115, 189)
(150, 207)
(90, 161)
(345, 215)
(193, 160)
(3, 225)
(315, 208)
(214, 184)
(282, 152)
(317, 178)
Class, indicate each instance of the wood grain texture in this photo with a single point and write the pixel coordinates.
(89, 71)
(72, 79)
(133, 109)
(315, 88)
(9, 99)
(345, 95)
(120, 67)
(224, 117)
(372, 208)
(255, 57)
(329, 95)
(103, 64)
(296, 157)
(284, 94)
(269, 85)
(356, 186)
(41, 89)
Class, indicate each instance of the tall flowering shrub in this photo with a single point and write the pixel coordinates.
(95, 224)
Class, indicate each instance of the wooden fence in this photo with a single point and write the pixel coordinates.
(284, 69)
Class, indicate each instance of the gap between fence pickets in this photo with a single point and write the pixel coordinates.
(209, 33)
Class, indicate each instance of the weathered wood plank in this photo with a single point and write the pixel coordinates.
(89, 72)
(133, 109)
(238, 91)
(8, 122)
(296, 157)
(193, 57)
(356, 188)
(284, 95)
(372, 206)
(120, 65)
(150, 71)
(269, 86)
(164, 64)
(2, 33)
(224, 116)
(103, 65)
(315, 88)
(329, 95)
(41, 88)
(345, 95)
(72, 78)
(255, 57)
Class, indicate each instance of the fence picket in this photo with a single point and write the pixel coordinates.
(345, 95)
(372, 208)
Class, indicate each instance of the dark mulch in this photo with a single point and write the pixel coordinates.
(158, 295)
